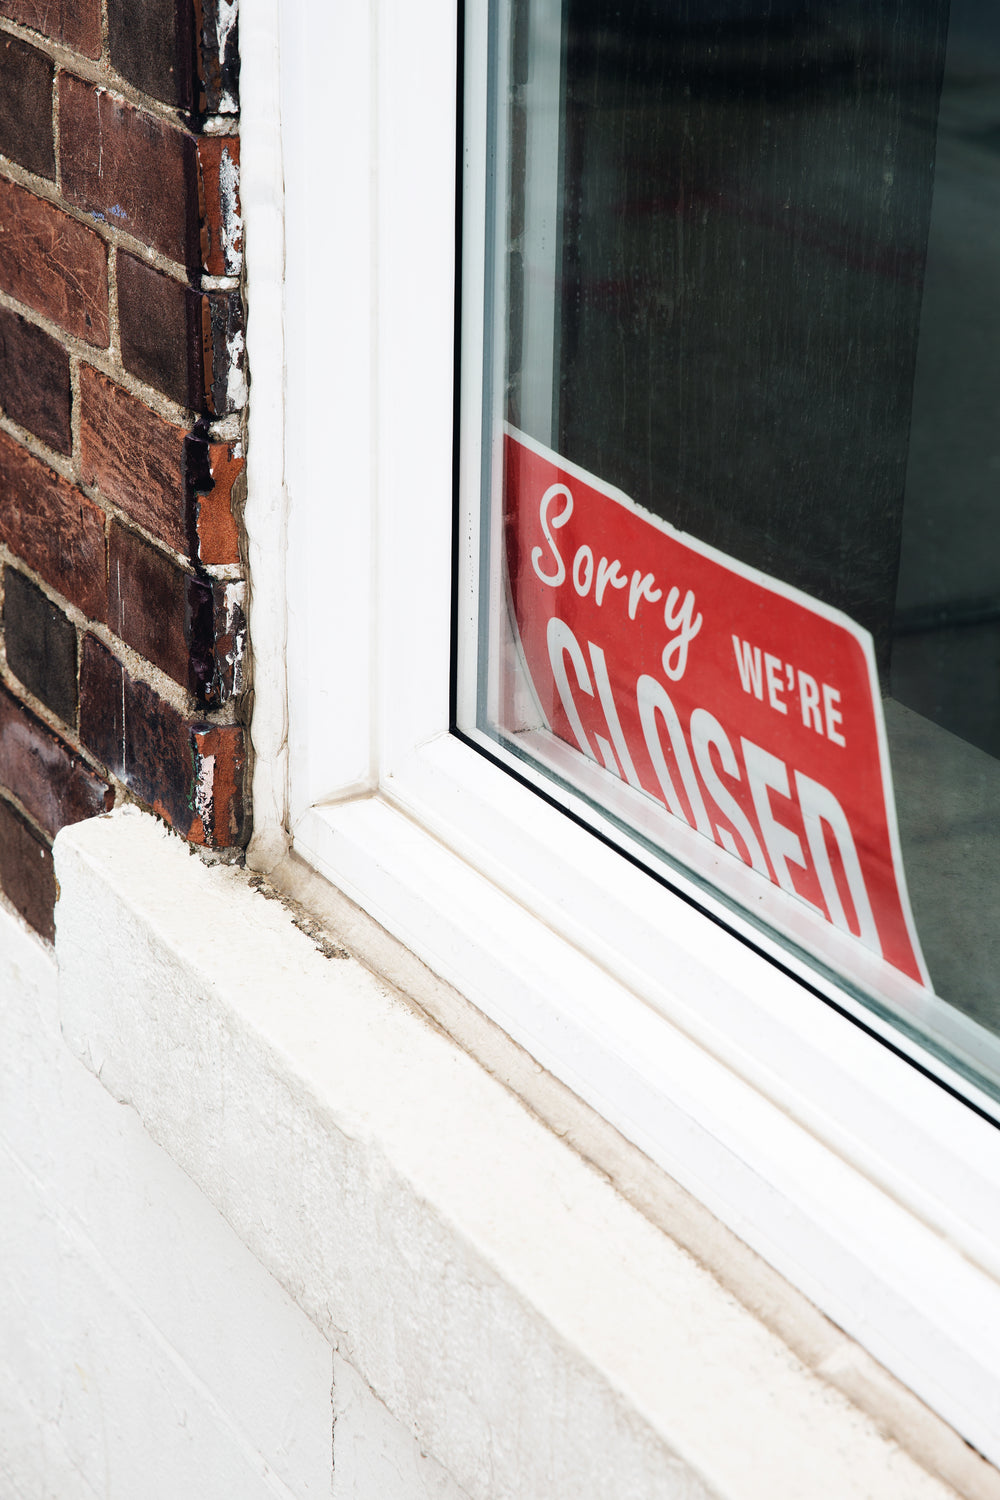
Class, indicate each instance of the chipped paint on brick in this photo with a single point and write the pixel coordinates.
(236, 375)
(232, 219)
(204, 788)
(232, 637)
(219, 205)
(225, 41)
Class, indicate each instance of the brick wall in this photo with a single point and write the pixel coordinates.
(121, 392)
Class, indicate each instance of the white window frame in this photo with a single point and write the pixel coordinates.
(869, 1186)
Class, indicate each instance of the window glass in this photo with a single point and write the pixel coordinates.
(739, 580)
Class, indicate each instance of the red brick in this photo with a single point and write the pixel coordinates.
(129, 168)
(34, 380)
(52, 527)
(77, 23)
(51, 782)
(219, 205)
(223, 350)
(161, 611)
(27, 875)
(216, 482)
(53, 264)
(191, 773)
(135, 457)
(221, 754)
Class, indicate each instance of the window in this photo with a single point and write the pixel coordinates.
(798, 1112)
(738, 540)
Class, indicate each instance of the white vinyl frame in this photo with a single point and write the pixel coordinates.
(874, 1190)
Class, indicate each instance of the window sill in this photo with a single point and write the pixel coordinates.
(421, 1215)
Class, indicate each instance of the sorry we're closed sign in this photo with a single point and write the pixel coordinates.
(748, 710)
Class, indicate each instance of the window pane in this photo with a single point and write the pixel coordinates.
(740, 581)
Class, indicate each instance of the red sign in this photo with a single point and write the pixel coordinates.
(748, 710)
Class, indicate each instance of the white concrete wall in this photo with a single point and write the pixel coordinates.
(145, 1354)
(495, 1322)
(506, 1325)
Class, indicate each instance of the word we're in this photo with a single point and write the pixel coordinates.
(780, 678)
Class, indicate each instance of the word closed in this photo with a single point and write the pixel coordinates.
(747, 710)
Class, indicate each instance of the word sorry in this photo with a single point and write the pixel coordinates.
(678, 615)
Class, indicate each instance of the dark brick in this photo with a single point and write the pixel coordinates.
(223, 351)
(130, 168)
(189, 773)
(53, 264)
(26, 106)
(40, 644)
(218, 58)
(27, 875)
(163, 612)
(135, 456)
(161, 331)
(152, 45)
(50, 781)
(53, 527)
(34, 380)
(219, 204)
(77, 23)
(230, 639)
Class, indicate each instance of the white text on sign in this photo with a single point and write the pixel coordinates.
(764, 773)
(678, 615)
(762, 671)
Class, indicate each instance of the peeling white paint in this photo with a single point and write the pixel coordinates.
(236, 375)
(234, 606)
(203, 792)
(225, 22)
(232, 222)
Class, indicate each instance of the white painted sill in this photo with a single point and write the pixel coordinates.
(536, 1333)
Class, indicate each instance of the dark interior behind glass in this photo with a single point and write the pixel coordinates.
(776, 324)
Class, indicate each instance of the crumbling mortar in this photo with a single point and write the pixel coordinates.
(75, 417)
(55, 131)
(319, 935)
(228, 125)
(114, 350)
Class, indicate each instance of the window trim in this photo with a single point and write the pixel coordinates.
(892, 1227)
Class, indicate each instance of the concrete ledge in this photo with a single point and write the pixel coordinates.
(536, 1334)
